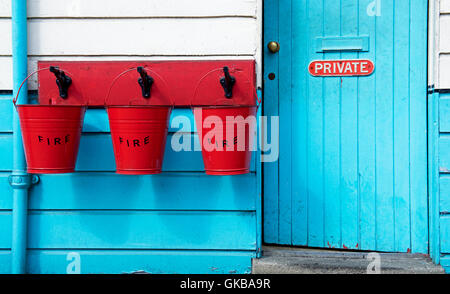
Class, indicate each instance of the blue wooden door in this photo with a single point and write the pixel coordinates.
(352, 171)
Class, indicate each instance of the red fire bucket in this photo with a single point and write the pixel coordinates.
(227, 126)
(51, 136)
(226, 135)
(139, 137)
(139, 132)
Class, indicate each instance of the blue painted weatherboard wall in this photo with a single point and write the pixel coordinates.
(181, 221)
(442, 193)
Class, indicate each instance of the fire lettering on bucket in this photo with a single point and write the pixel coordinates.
(134, 142)
(53, 141)
(224, 142)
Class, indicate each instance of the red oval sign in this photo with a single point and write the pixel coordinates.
(341, 68)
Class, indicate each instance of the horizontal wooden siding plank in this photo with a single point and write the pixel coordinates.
(136, 230)
(100, 37)
(136, 8)
(131, 261)
(168, 191)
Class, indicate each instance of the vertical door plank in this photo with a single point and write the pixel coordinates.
(384, 134)
(349, 135)
(331, 124)
(270, 109)
(285, 108)
(401, 127)
(418, 126)
(300, 135)
(366, 136)
(315, 134)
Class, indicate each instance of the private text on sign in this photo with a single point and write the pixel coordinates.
(338, 68)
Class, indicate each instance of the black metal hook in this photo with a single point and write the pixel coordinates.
(62, 81)
(227, 83)
(145, 81)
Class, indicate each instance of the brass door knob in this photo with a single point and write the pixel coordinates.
(273, 46)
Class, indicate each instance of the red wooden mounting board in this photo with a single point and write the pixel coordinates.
(178, 83)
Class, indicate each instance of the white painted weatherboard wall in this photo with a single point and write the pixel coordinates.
(443, 45)
(134, 30)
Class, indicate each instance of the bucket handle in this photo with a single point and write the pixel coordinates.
(26, 79)
(143, 73)
(255, 95)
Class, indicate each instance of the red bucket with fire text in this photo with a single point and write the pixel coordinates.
(139, 129)
(227, 128)
(51, 133)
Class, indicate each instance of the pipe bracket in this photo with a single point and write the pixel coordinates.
(22, 181)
